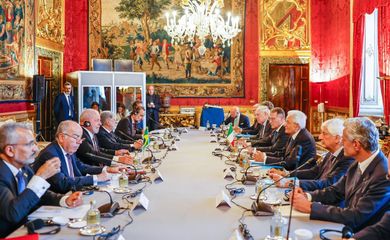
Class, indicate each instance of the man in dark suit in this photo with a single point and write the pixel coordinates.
(365, 188)
(261, 127)
(295, 127)
(237, 119)
(274, 143)
(89, 151)
(127, 127)
(21, 191)
(108, 139)
(153, 104)
(252, 130)
(73, 172)
(330, 169)
(64, 105)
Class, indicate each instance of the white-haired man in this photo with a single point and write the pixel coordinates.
(295, 127)
(334, 165)
(364, 189)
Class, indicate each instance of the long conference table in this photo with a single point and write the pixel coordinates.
(183, 205)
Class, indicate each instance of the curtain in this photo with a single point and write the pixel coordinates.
(384, 55)
(358, 33)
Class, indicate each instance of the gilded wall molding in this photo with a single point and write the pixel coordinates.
(50, 28)
(95, 23)
(285, 25)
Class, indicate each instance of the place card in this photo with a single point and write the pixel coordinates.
(222, 199)
(157, 176)
(142, 202)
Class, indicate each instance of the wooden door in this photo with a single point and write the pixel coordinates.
(288, 87)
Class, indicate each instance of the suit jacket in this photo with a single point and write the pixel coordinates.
(153, 112)
(325, 173)
(61, 108)
(88, 155)
(111, 141)
(264, 130)
(365, 200)
(243, 121)
(304, 139)
(274, 144)
(125, 131)
(380, 230)
(62, 182)
(16, 207)
(252, 130)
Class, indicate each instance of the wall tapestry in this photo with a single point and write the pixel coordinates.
(16, 48)
(134, 29)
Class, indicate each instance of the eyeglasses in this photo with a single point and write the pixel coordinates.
(76, 138)
(29, 144)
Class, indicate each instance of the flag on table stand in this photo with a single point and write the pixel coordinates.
(230, 134)
(146, 139)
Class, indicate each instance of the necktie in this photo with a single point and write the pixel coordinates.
(70, 107)
(134, 129)
(70, 165)
(357, 176)
(327, 165)
(94, 143)
(21, 181)
(290, 143)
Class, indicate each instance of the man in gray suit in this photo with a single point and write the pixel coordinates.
(365, 187)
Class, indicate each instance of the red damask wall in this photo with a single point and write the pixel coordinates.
(330, 63)
(76, 36)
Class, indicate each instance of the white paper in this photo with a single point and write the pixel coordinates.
(228, 174)
(45, 212)
(157, 176)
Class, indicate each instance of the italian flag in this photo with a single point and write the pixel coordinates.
(230, 134)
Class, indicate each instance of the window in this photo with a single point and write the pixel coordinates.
(370, 92)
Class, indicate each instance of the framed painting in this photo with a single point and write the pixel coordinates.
(134, 30)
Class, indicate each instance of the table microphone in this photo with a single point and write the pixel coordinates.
(260, 208)
(163, 145)
(108, 209)
(151, 159)
(126, 135)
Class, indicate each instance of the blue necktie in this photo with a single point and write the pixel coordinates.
(21, 181)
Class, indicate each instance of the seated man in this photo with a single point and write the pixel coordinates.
(299, 136)
(21, 191)
(263, 125)
(89, 151)
(274, 143)
(333, 166)
(237, 119)
(365, 188)
(72, 175)
(252, 130)
(127, 127)
(108, 139)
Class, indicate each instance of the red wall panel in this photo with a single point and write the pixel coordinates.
(76, 36)
(330, 62)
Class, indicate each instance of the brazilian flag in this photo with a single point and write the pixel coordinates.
(146, 139)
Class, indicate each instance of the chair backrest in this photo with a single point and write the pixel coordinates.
(102, 64)
(123, 65)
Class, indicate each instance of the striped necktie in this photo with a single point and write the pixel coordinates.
(70, 165)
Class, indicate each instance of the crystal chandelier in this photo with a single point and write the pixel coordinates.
(202, 18)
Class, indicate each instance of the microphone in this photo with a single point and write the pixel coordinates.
(159, 125)
(107, 210)
(298, 157)
(126, 135)
(99, 158)
(259, 208)
(163, 145)
(151, 159)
